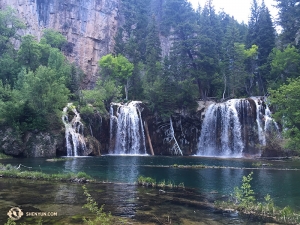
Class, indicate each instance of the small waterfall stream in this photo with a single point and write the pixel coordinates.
(73, 132)
(126, 129)
(235, 128)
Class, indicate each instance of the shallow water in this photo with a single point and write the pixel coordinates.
(148, 205)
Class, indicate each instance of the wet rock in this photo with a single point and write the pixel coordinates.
(11, 142)
(79, 180)
(93, 146)
(42, 144)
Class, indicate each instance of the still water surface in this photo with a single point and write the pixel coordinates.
(208, 184)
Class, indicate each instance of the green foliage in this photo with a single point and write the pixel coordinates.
(54, 39)
(148, 181)
(11, 171)
(117, 68)
(288, 11)
(3, 156)
(151, 182)
(10, 24)
(29, 53)
(284, 64)
(245, 195)
(286, 100)
(245, 202)
(101, 217)
(101, 96)
(10, 222)
(36, 85)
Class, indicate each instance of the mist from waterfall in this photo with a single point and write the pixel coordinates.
(75, 142)
(235, 128)
(126, 129)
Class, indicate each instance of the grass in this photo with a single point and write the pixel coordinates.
(151, 182)
(59, 159)
(3, 156)
(189, 166)
(260, 164)
(12, 172)
(243, 200)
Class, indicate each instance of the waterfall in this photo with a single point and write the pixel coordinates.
(126, 129)
(221, 131)
(73, 132)
(235, 128)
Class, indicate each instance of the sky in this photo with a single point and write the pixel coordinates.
(240, 9)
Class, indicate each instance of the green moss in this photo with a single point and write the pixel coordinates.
(59, 159)
(3, 156)
(10, 171)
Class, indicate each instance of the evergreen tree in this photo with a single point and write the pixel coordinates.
(284, 64)
(261, 33)
(265, 43)
(29, 53)
(10, 24)
(208, 51)
(252, 34)
(153, 52)
(289, 17)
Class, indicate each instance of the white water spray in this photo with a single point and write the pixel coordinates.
(228, 130)
(73, 132)
(221, 131)
(126, 129)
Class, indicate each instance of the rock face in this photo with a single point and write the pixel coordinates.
(89, 26)
(187, 128)
(11, 142)
(41, 144)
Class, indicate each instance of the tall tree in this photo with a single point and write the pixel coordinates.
(118, 68)
(10, 24)
(208, 51)
(265, 43)
(252, 35)
(286, 99)
(284, 64)
(29, 53)
(261, 33)
(289, 20)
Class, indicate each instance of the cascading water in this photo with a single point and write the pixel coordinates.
(73, 132)
(235, 128)
(221, 131)
(126, 129)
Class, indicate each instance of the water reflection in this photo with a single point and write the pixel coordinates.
(282, 185)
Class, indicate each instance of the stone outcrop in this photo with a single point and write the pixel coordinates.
(32, 144)
(187, 128)
(42, 145)
(11, 142)
(89, 26)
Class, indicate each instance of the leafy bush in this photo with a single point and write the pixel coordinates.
(101, 217)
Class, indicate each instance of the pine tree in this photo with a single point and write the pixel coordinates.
(261, 33)
(153, 52)
(252, 35)
(265, 42)
(208, 51)
(289, 17)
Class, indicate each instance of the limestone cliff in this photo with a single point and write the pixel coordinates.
(89, 25)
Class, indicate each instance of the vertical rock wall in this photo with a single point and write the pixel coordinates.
(89, 25)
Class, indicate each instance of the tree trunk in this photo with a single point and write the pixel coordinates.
(148, 137)
(126, 92)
